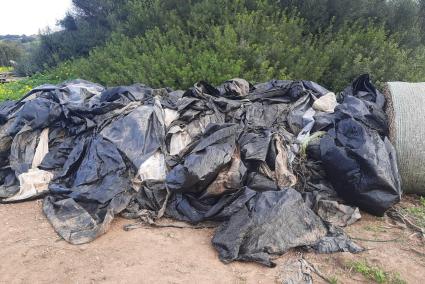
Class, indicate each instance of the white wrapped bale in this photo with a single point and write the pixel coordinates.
(406, 112)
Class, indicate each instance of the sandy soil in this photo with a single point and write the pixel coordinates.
(31, 252)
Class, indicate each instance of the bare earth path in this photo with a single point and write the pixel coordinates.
(31, 252)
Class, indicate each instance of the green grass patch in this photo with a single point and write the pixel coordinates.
(6, 69)
(333, 280)
(370, 272)
(15, 90)
(375, 273)
(417, 213)
(375, 229)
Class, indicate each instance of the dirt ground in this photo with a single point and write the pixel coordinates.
(31, 252)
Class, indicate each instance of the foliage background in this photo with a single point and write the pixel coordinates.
(178, 42)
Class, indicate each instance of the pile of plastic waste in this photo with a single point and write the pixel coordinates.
(276, 165)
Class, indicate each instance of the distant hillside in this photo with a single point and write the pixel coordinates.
(14, 47)
(18, 38)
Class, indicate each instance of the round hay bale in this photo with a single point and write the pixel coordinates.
(406, 112)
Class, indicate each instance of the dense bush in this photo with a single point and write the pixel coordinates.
(405, 18)
(92, 22)
(354, 50)
(177, 42)
(257, 45)
(9, 51)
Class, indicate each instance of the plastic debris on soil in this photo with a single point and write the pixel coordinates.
(277, 165)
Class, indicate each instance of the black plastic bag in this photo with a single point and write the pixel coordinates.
(361, 166)
(271, 223)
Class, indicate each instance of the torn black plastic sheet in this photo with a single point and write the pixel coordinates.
(209, 155)
(336, 241)
(361, 166)
(81, 222)
(33, 182)
(98, 177)
(224, 154)
(260, 228)
(93, 187)
(324, 200)
(363, 88)
(187, 207)
(138, 134)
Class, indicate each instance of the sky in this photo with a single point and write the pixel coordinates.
(29, 16)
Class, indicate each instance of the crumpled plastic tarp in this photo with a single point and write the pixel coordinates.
(359, 159)
(280, 164)
(260, 228)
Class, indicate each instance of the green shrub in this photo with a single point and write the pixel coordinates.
(9, 51)
(275, 46)
(259, 45)
(355, 50)
(176, 43)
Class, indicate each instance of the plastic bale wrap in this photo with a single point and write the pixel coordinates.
(406, 113)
